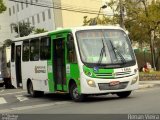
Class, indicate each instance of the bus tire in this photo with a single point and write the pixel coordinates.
(77, 97)
(123, 94)
(32, 92)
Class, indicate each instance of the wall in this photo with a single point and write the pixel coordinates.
(72, 18)
(149, 77)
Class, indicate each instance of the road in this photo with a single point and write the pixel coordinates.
(141, 101)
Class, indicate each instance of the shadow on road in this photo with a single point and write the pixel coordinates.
(66, 97)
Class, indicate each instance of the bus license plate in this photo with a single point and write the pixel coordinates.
(114, 83)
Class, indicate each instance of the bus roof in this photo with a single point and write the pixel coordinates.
(67, 29)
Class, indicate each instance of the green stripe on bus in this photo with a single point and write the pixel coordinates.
(50, 77)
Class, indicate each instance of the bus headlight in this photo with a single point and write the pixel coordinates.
(91, 83)
(134, 80)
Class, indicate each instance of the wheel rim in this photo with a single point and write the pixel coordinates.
(75, 93)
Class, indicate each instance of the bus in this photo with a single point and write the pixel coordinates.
(81, 61)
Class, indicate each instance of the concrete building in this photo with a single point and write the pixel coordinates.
(27, 11)
(73, 11)
(47, 14)
(4, 26)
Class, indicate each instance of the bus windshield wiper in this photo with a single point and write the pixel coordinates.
(117, 52)
(101, 53)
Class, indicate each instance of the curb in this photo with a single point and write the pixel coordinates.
(143, 86)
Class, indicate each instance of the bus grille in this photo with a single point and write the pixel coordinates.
(107, 86)
(112, 75)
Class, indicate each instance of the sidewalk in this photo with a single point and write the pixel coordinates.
(149, 84)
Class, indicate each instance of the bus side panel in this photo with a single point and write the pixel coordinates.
(36, 71)
(72, 71)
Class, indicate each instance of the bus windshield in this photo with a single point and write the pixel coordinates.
(104, 46)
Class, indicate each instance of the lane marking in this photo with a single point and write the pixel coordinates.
(2, 100)
(2, 91)
(21, 98)
(34, 106)
(13, 93)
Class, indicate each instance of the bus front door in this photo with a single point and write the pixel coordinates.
(59, 63)
(18, 66)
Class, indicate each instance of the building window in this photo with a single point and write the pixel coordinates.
(31, 1)
(11, 28)
(26, 3)
(49, 13)
(45, 48)
(10, 11)
(43, 16)
(17, 7)
(33, 22)
(34, 49)
(13, 10)
(22, 5)
(25, 56)
(38, 19)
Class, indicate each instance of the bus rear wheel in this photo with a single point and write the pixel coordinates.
(75, 95)
(32, 92)
(123, 94)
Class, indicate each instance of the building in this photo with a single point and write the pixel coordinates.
(4, 26)
(30, 11)
(73, 11)
(47, 14)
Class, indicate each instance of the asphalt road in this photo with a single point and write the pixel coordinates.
(141, 101)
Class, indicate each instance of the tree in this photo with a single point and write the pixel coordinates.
(7, 42)
(24, 28)
(140, 19)
(39, 30)
(2, 6)
(104, 20)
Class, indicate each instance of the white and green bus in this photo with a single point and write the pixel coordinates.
(89, 60)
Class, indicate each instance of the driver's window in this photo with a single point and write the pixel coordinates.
(71, 53)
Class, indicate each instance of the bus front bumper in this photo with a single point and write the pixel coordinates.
(102, 86)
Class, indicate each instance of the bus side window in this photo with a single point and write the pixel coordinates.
(34, 49)
(71, 53)
(45, 48)
(25, 55)
(12, 52)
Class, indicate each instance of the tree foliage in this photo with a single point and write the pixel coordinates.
(39, 30)
(2, 6)
(140, 19)
(24, 28)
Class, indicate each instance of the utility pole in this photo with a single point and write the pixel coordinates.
(152, 49)
(121, 20)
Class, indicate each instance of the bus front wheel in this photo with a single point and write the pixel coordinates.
(123, 94)
(32, 92)
(75, 95)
